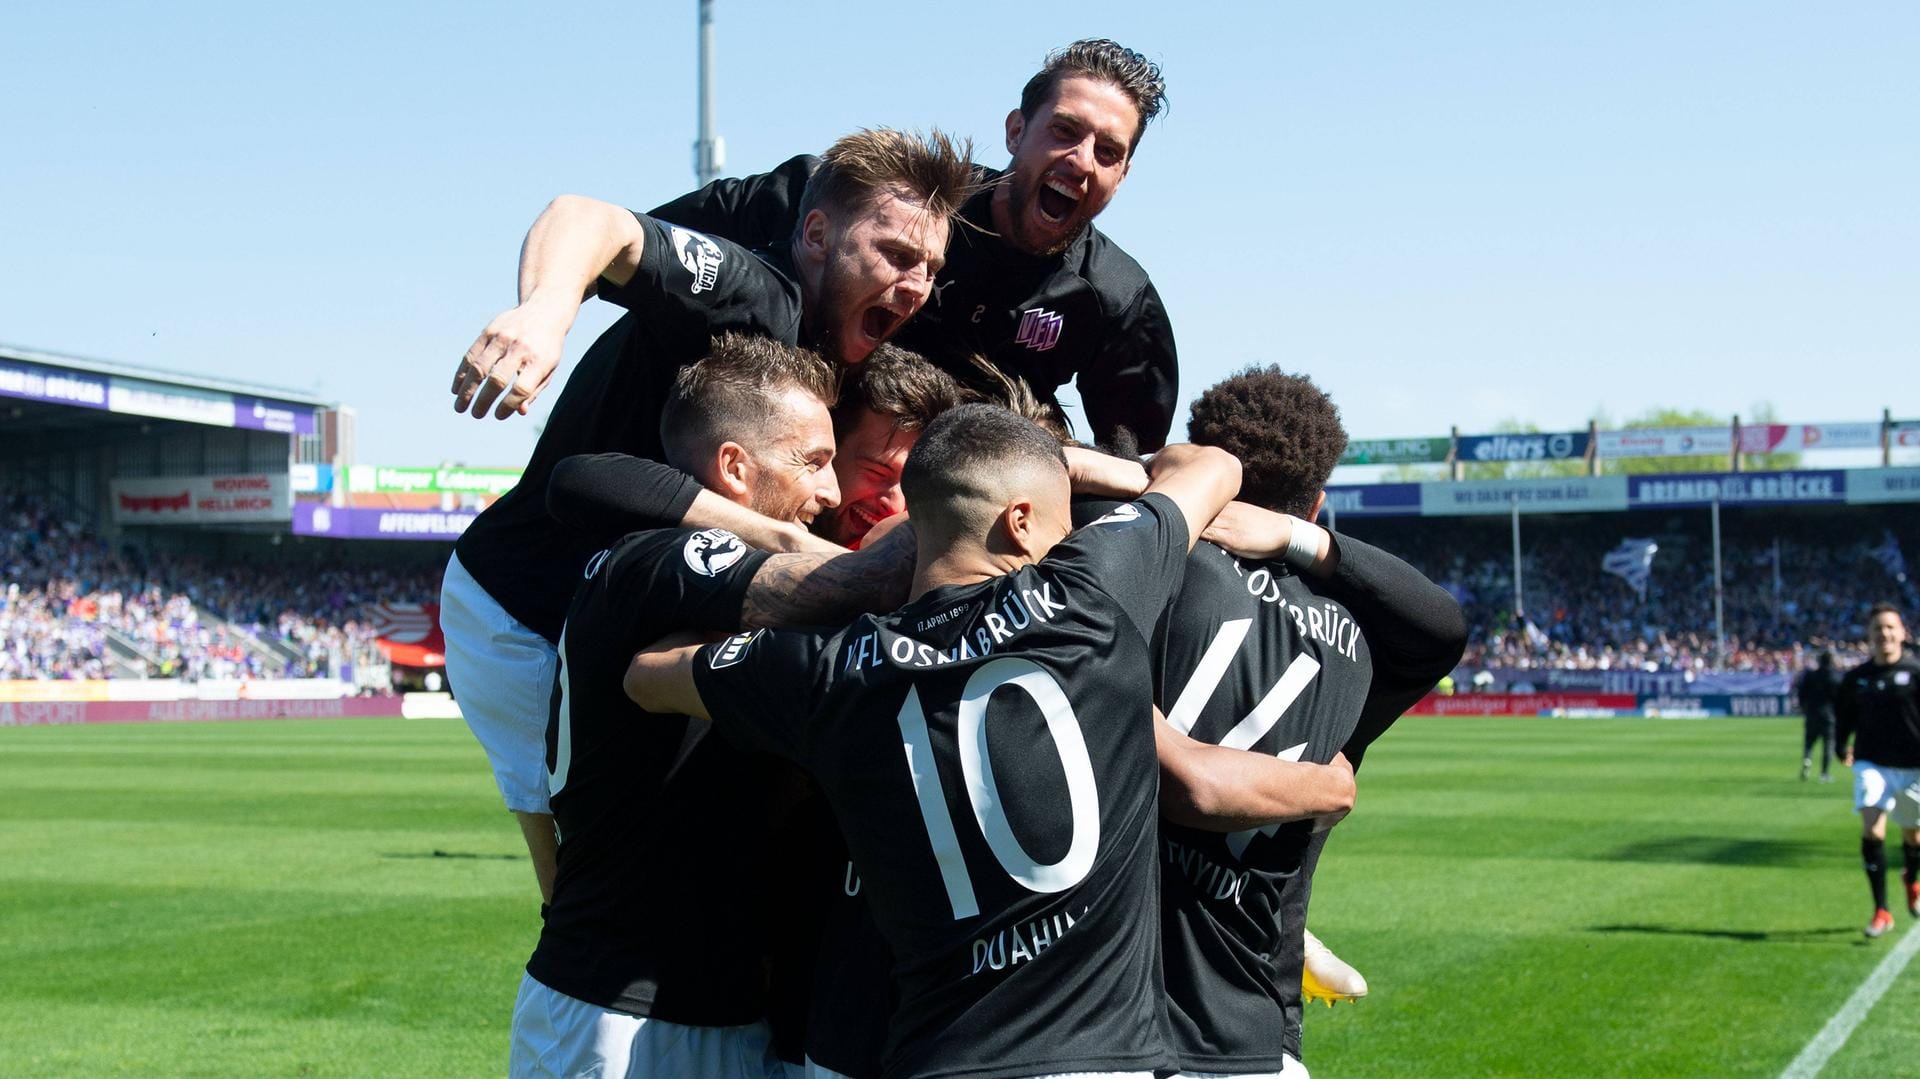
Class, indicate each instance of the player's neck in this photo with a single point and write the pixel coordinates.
(958, 568)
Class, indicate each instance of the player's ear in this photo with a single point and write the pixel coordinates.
(813, 235)
(1319, 503)
(1022, 526)
(733, 472)
(1016, 124)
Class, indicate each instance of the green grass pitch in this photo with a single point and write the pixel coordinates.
(346, 897)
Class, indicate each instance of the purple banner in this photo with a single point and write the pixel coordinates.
(341, 522)
(262, 414)
(1373, 500)
(36, 383)
(1737, 489)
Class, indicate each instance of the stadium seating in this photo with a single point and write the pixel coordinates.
(75, 608)
(1578, 617)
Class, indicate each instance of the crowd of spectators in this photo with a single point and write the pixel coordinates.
(1793, 585)
(67, 590)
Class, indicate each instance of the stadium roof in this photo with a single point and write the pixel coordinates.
(153, 374)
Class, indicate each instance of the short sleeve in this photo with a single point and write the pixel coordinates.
(761, 688)
(1135, 553)
(753, 211)
(695, 285)
(678, 578)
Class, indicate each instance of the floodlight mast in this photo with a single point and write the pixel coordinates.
(709, 150)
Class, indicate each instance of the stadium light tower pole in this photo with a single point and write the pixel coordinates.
(1519, 605)
(1719, 619)
(709, 151)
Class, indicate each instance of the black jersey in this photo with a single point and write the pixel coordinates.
(1816, 689)
(657, 902)
(1258, 658)
(687, 289)
(1008, 856)
(1088, 314)
(1880, 703)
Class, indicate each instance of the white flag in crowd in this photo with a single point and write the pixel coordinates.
(1632, 562)
(1888, 554)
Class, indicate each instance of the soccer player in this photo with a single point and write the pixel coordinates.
(1008, 859)
(1032, 284)
(1309, 651)
(1877, 732)
(861, 259)
(652, 954)
(1816, 688)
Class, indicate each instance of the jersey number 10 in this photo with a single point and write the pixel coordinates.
(983, 791)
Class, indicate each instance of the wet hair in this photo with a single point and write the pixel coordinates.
(901, 385)
(969, 462)
(1100, 58)
(935, 171)
(732, 395)
(1285, 431)
(995, 386)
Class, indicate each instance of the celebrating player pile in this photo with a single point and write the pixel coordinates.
(949, 837)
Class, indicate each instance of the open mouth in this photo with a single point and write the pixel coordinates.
(1056, 201)
(877, 322)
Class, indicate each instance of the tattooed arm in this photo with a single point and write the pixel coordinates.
(817, 589)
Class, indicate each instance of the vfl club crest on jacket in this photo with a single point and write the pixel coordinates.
(1039, 329)
(709, 552)
(701, 257)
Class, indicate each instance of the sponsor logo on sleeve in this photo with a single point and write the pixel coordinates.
(731, 651)
(1124, 514)
(701, 257)
(594, 563)
(712, 551)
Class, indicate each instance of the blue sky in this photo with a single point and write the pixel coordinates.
(1446, 214)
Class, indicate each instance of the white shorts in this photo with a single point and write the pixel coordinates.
(1894, 791)
(558, 1037)
(502, 674)
(1291, 1069)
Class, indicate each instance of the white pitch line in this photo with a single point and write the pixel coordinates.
(1841, 1026)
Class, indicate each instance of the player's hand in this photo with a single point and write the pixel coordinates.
(512, 360)
(1091, 472)
(1846, 757)
(1326, 821)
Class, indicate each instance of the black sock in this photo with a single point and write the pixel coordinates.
(1912, 871)
(1873, 855)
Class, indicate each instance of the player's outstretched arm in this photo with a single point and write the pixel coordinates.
(660, 677)
(1200, 480)
(1230, 790)
(607, 495)
(815, 589)
(572, 243)
(1263, 535)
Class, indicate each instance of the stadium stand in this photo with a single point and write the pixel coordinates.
(1832, 566)
(74, 607)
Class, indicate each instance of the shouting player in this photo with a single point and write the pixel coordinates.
(1032, 285)
(1877, 732)
(860, 261)
(1008, 859)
